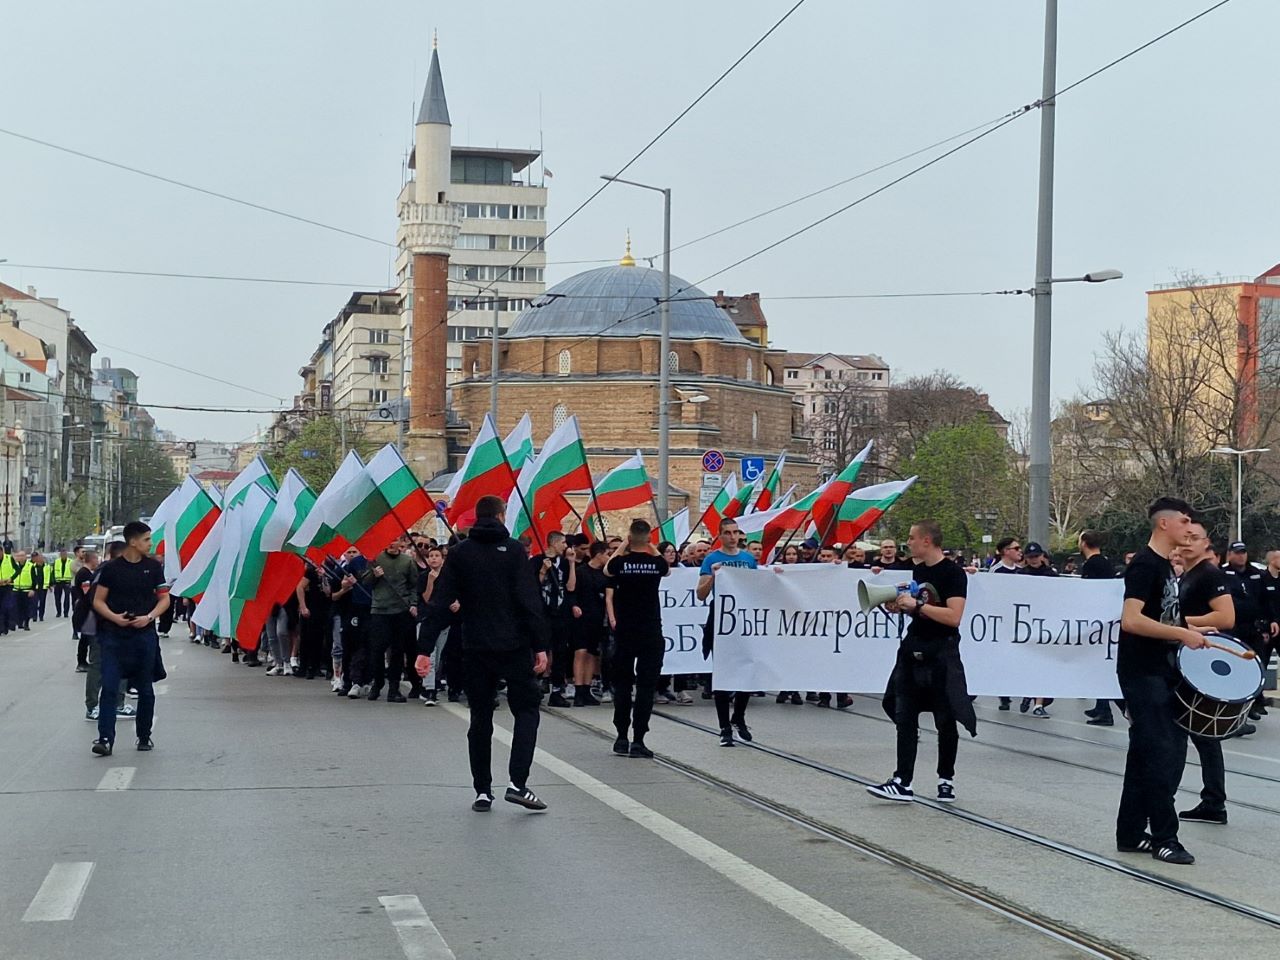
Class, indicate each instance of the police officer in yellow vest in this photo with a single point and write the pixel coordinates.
(63, 573)
(7, 574)
(22, 590)
(41, 580)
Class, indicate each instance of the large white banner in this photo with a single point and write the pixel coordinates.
(683, 616)
(799, 628)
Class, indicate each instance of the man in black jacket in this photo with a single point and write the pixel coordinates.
(504, 637)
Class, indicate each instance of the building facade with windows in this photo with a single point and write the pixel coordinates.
(831, 387)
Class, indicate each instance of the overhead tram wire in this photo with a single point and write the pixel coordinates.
(1021, 112)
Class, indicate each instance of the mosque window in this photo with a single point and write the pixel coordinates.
(673, 362)
(559, 415)
(565, 363)
(751, 369)
(755, 426)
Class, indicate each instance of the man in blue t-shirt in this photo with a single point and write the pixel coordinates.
(729, 554)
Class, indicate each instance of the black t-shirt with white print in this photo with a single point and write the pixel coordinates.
(1149, 578)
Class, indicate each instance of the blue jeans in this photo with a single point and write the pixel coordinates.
(126, 653)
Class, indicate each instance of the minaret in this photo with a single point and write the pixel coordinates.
(429, 225)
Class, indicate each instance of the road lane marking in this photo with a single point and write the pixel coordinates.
(59, 896)
(419, 938)
(822, 919)
(117, 778)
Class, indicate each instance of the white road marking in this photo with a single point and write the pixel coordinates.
(117, 778)
(835, 926)
(59, 896)
(419, 938)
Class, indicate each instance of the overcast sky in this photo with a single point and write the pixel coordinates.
(1164, 163)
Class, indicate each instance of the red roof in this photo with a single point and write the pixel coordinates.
(13, 293)
(217, 475)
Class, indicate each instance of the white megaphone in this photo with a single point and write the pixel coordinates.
(872, 595)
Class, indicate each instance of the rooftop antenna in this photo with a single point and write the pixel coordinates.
(542, 159)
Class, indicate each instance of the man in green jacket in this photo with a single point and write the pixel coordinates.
(392, 579)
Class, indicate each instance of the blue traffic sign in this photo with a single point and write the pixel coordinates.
(752, 469)
(713, 461)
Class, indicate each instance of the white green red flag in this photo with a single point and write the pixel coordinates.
(863, 508)
(519, 445)
(624, 487)
(294, 502)
(255, 473)
(213, 612)
(769, 493)
(674, 529)
(714, 513)
(318, 530)
(191, 516)
(538, 505)
(827, 506)
(194, 579)
(769, 526)
(757, 535)
(406, 497)
(259, 579)
(740, 501)
(484, 472)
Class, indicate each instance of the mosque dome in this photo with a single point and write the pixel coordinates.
(622, 301)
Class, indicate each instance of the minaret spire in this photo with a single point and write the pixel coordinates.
(434, 109)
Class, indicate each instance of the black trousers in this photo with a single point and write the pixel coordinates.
(1153, 767)
(921, 688)
(62, 599)
(1214, 773)
(8, 610)
(391, 637)
(637, 661)
(21, 610)
(166, 620)
(313, 650)
(561, 651)
(355, 648)
(726, 699)
(481, 671)
(38, 604)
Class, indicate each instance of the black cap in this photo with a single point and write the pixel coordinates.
(1033, 550)
(810, 544)
(1238, 547)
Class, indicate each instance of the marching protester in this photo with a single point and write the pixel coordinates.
(85, 622)
(928, 673)
(557, 573)
(589, 633)
(1150, 623)
(436, 645)
(1205, 602)
(392, 581)
(1097, 567)
(128, 598)
(729, 554)
(353, 601)
(634, 575)
(504, 638)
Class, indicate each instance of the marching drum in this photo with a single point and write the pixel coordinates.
(1216, 687)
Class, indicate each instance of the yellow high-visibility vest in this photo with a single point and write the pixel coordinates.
(62, 570)
(6, 567)
(22, 581)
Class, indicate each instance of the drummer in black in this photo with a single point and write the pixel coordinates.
(1150, 629)
(1205, 598)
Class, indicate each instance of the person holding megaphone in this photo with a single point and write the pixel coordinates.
(928, 673)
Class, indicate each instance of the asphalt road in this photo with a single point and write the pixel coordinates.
(276, 820)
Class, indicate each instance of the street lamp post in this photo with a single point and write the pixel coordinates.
(664, 368)
(1240, 455)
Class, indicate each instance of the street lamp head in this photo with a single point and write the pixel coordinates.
(697, 398)
(1101, 276)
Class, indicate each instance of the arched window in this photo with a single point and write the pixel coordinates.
(751, 369)
(755, 426)
(475, 367)
(559, 415)
(673, 362)
(565, 364)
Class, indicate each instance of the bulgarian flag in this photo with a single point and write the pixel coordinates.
(317, 529)
(544, 481)
(406, 497)
(193, 514)
(863, 508)
(624, 487)
(827, 506)
(715, 512)
(213, 612)
(737, 505)
(194, 579)
(159, 518)
(519, 446)
(294, 503)
(769, 526)
(259, 580)
(485, 471)
(674, 529)
(754, 535)
(255, 474)
(769, 493)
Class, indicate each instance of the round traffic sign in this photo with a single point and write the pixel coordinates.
(713, 461)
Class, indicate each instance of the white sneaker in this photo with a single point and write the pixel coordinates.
(293, 664)
(126, 712)
(336, 684)
(355, 693)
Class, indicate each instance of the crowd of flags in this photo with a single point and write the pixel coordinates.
(239, 552)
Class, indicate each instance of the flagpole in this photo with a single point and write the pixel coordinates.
(524, 505)
(791, 536)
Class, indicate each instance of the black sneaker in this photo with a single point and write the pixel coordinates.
(1171, 851)
(374, 694)
(946, 791)
(744, 732)
(892, 790)
(1203, 814)
(796, 699)
(1246, 730)
(395, 696)
(620, 746)
(1142, 846)
(843, 701)
(1094, 712)
(1104, 720)
(557, 700)
(726, 736)
(145, 744)
(1004, 704)
(640, 751)
(454, 697)
(782, 697)
(101, 748)
(1025, 705)
(84, 668)
(1255, 714)
(524, 797)
(483, 803)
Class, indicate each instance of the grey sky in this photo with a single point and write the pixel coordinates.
(1164, 163)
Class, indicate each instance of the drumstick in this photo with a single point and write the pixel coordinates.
(1243, 655)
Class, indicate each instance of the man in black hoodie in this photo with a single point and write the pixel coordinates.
(504, 637)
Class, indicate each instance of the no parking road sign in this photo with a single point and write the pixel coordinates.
(713, 461)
